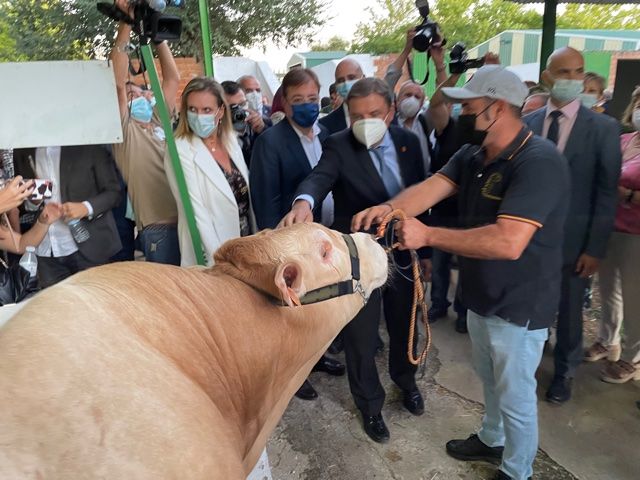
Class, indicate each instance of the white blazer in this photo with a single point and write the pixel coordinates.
(214, 206)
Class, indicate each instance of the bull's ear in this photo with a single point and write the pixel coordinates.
(289, 283)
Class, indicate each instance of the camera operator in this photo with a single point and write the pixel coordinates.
(410, 98)
(247, 123)
(140, 156)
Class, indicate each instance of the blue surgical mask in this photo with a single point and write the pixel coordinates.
(344, 88)
(456, 110)
(141, 109)
(588, 99)
(305, 114)
(202, 125)
(565, 90)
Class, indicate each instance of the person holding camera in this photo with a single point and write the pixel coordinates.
(253, 92)
(509, 244)
(140, 157)
(247, 122)
(84, 181)
(214, 170)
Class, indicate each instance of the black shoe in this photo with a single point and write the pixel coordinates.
(413, 401)
(374, 427)
(336, 346)
(500, 475)
(436, 314)
(329, 366)
(472, 449)
(559, 391)
(306, 391)
(461, 324)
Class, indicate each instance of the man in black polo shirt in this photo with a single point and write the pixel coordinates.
(512, 189)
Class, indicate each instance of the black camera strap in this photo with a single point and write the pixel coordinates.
(426, 76)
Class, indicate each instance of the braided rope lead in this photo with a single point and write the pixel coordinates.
(418, 295)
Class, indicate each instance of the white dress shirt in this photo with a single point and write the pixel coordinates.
(58, 242)
(313, 150)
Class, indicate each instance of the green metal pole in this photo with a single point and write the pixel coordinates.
(161, 105)
(548, 32)
(206, 38)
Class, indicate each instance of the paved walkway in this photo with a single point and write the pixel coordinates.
(594, 437)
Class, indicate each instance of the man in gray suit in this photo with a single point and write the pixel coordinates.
(590, 143)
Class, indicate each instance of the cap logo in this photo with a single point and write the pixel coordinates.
(491, 90)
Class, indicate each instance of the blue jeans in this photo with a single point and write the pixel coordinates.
(159, 244)
(506, 357)
(440, 279)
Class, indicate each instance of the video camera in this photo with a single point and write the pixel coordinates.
(148, 20)
(428, 32)
(459, 61)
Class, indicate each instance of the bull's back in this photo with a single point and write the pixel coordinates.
(84, 395)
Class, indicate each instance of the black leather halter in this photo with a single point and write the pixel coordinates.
(339, 289)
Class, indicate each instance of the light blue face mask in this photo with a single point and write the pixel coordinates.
(203, 125)
(567, 91)
(456, 110)
(344, 88)
(142, 109)
(588, 100)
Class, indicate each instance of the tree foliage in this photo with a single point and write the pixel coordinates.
(334, 44)
(74, 29)
(475, 21)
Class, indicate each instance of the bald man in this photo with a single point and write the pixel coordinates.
(348, 72)
(590, 143)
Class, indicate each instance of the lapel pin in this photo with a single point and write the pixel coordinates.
(403, 149)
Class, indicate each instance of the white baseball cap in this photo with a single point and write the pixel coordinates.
(491, 81)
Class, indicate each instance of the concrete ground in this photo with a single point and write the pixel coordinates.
(593, 437)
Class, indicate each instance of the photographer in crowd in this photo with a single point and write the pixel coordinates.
(247, 122)
(253, 92)
(140, 157)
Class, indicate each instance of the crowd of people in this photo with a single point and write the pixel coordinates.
(530, 189)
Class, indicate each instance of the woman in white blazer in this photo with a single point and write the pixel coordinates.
(216, 175)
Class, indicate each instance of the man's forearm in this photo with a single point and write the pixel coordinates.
(486, 243)
(167, 63)
(119, 56)
(438, 97)
(422, 196)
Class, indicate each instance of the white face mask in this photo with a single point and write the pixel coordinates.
(589, 100)
(635, 119)
(565, 90)
(369, 131)
(409, 107)
(254, 99)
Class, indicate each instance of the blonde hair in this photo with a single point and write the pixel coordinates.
(627, 116)
(209, 85)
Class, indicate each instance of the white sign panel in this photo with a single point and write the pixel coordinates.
(58, 103)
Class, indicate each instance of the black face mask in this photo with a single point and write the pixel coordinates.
(466, 129)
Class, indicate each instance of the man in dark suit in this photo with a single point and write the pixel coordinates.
(282, 158)
(364, 166)
(85, 182)
(285, 154)
(590, 143)
(348, 72)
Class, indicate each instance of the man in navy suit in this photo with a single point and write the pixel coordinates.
(590, 143)
(348, 72)
(363, 166)
(282, 158)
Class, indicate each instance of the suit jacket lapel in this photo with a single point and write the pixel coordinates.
(406, 169)
(365, 162)
(295, 149)
(66, 162)
(575, 142)
(208, 166)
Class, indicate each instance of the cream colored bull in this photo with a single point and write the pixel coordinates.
(142, 371)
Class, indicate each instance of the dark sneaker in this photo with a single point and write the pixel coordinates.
(435, 314)
(472, 449)
(559, 391)
(500, 475)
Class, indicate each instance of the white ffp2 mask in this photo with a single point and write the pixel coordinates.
(369, 131)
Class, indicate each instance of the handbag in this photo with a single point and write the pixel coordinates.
(15, 283)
